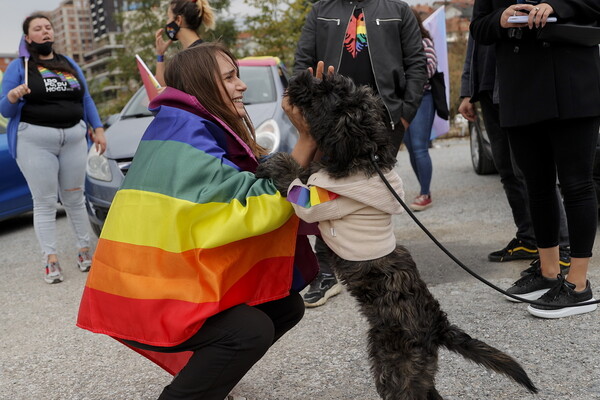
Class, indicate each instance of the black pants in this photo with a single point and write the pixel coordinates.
(567, 147)
(511, 176)
(227, 346)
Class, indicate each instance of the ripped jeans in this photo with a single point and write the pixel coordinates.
(52, 161)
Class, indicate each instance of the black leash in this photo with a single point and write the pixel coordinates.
(456, 260)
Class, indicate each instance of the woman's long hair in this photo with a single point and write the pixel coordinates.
(194, 13)
(58, 63)
(424, 32)
(196, 71)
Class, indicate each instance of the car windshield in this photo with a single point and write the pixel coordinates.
(261, 87)
(137, 106)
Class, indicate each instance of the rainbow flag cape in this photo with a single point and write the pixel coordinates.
(191, 232)
(310, 196)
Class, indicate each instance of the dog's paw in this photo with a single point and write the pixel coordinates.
(281, 168)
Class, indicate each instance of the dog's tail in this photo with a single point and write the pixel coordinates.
(479, 352)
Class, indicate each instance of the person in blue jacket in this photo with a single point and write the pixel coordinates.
(49, 108)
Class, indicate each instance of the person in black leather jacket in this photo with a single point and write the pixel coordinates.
(374, 42)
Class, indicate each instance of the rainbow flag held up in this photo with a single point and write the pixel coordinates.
(151, 85)
(309, 197)
(190, 233)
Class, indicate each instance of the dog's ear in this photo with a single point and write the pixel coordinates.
(300, 90)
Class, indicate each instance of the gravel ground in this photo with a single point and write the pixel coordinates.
(44, 356)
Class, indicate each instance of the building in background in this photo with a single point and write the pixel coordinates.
(72, 28)
(105, 31)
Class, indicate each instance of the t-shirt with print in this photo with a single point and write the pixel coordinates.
(356, 63)
(55, 99)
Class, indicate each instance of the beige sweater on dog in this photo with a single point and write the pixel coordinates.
(356, 225)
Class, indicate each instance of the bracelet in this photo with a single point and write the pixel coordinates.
(160, 58)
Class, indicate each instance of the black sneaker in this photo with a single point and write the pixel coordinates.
(515, 250)
(531, 286)
(535, 264)
(564, 258)
(321, 289)
(563, 293)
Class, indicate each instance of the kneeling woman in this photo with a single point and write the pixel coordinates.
(198, 267)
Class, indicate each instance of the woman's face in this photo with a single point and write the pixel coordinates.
(40, 31)
(232, 89)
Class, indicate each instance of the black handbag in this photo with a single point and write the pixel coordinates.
(438, 91)
(579, 35)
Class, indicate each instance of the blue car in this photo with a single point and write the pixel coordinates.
(15, 197)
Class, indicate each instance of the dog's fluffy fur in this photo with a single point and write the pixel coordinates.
(406, 323)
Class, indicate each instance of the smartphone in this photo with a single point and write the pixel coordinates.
(522, 19)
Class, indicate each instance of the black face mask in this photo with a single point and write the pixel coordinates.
(171, 30)
(42, 49)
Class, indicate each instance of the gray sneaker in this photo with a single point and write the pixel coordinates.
(53, 273)
(321, 289)
(84, 261)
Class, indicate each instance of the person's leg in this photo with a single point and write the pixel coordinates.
(418, 143)
(37, 149)
(574, 150)
(224, 350)
(71, 177)
(227, 346)
(535, 157)
(285, 313)
(325, 284)
(511, 178)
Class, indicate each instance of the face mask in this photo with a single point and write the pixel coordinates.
(171, 30)
(42, 49)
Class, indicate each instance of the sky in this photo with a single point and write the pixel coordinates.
(13, 12)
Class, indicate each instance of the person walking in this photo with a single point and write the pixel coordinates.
(418, 134)
(552, 128)
(199, 266)
(184, 19)
(375, 43)
(478, 84)
(49, 107)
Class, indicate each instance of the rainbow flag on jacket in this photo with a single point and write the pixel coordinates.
(191, 232)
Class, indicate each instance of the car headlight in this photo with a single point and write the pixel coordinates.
(97, 166)
(268, 136)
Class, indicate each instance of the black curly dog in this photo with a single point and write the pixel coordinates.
(407, 326)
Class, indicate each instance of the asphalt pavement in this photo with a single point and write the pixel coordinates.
(44, 356)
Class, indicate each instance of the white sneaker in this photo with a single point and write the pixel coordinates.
(53, 273)
(232, 397)
(84, 261)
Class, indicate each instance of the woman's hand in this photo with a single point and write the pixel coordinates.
(538, 15)
(99, 140)
(16, 93)
(513, 11)
(160, 43)
(306, 147)
(467, 109)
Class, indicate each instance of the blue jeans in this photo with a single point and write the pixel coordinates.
(416, 140)
(53, 161)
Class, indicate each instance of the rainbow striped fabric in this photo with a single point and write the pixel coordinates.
(63, 76)
(190, 233)
(308, 197)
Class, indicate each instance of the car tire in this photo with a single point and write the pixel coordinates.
(483, 164)
(96, 228)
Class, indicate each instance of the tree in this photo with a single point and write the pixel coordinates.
(277, 27)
